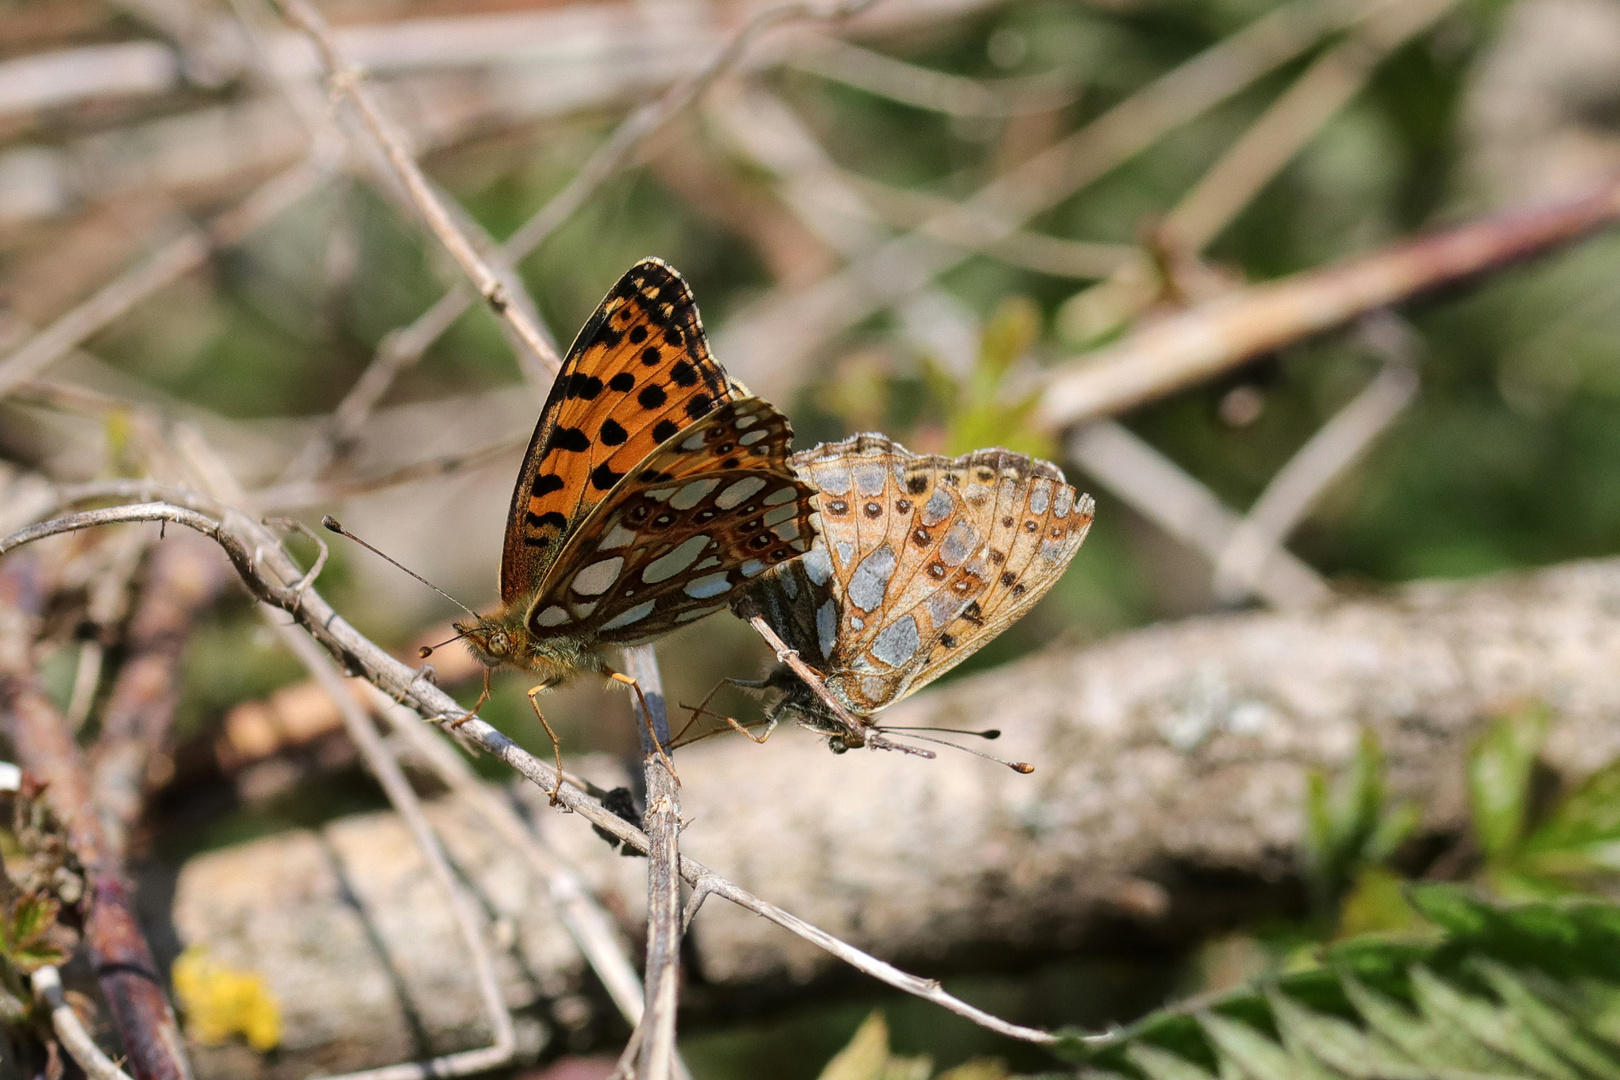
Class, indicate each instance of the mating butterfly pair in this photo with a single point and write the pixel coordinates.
(656, 491)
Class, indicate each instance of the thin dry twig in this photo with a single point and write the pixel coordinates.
(47, 982)
(663, 824)
(587, 922)
(172, 261)
(350, 81)
(267, 571)
(380, 760)
(1192, 346)
(1298, 485)
(405, 346)
(771, 343)
(1159, 489)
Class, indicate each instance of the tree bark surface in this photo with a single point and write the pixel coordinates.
(1168, 793)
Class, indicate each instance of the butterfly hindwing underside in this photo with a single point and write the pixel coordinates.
(638, 373)
(921, 561)
(703, 515)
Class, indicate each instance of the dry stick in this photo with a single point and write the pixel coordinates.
(401, 348)
(590, 926)
(1190, 347)
(403, 798)
(1159, 489)
(663, 825)
(349, 81)
(297, 494)
(175, 259)
(266, 569)
(47, 982)
(1299, 484)
(786, 329)
(45, 749)
(1291, 121)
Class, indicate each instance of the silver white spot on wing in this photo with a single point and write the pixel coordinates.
(960, 540)
(846, 551)
(871, 578)
(781, 514)
(693, 493)
(552, 616)
(752, 437)
(747, 418)
(897, 642)
(780, 495)
(834, 480)
(667, 566)
(818, 564)
(752, 568)
(705, 587)
(598, 577)
(1040, 495)
(693, 441)
(827, 627)
(630, 615)
(617, 537)
(740, 492)
(1063, 503)
(938, 507)
(788, 531)
(869, 479)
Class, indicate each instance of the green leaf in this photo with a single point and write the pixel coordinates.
(30, 919)
(30, 958)
(1498, 1029)
(1259, 1057)
(1553, 1026)
(1159, 1064)
(1500, 767)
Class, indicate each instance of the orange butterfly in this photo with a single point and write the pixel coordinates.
(654, 488)
(921, 562)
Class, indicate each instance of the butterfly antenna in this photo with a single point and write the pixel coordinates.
(331, 523)
(427, 650)
(987, 733)
(1016, 766)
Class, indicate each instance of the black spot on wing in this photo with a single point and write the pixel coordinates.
(603, 478)
(613, 434)
(568, 438)
(699, 405)
(638, 334)
(684, 374)
(651, 356)
(623, 382)
(581, 385)
(551, 520)
(545, 484)
(652, 397)
(665, 430)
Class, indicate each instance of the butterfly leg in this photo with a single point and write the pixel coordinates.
(703, 710)
(646, 716)
(556, 745)
(479, 704)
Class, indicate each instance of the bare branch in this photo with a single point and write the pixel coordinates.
(1186, 509)
(267, 570)
(1187, 348)
(65, 1022)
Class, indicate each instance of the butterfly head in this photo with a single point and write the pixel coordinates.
(502, 640)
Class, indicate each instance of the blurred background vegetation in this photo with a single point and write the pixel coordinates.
(1509, 457)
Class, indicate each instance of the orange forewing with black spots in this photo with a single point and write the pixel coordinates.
(638, 373)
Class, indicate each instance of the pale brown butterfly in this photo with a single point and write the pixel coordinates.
(921, 562)
(655, 487)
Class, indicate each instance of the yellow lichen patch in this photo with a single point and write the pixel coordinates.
(222, 1002)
